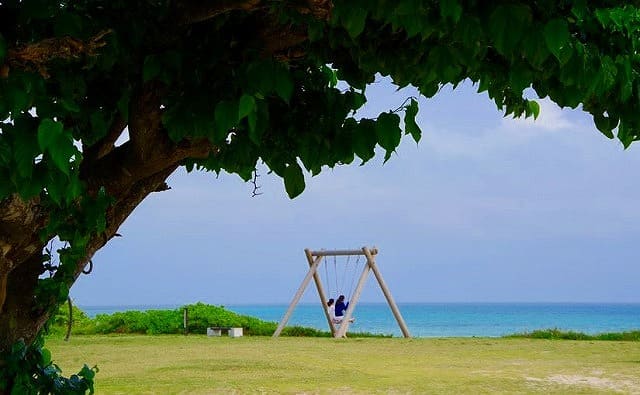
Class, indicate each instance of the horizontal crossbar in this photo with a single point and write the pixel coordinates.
(373, 251)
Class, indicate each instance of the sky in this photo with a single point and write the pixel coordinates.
(484, 209)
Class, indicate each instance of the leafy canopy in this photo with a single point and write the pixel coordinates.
(223, 85)
(258, 80)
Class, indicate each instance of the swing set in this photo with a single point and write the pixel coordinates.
(315, 258)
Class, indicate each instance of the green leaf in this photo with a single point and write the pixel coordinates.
(625, 135)
(252, 120)
(52, 138)
(364, 140)
(74, 188)
(259, 78)
(450, 9)
(18, 97)
(507, 25)
(354, 21)
(246, 106)
(226, 117)
(330, 75)
(520, 78)
(626, 80)
(609, 73)
(46, 357)
(533, 108)
(293, 180)
(410, 125)
(556, 36)
(56, 186)
(388, 131)
(177, 120)
(69, 105)
(282, 83)
(49, 132)
(258, 122)
(534, 48)
(603, 124)
(61, 154)
(25, 149)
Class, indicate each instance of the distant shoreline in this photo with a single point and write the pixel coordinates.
(443, 319)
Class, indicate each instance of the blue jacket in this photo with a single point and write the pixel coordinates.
(340, 308)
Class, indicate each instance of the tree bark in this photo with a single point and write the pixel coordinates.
(19, 318)
(129, 173)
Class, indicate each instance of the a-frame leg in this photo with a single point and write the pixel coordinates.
(387, 294)
(321, 294)
(312, 271)
(344, 326)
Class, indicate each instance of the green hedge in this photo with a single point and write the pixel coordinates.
(156, 322)
(557, 334)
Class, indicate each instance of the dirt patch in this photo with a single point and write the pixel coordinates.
(619, 384)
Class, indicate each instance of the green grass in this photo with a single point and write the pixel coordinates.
(171, 364)
(557, 334)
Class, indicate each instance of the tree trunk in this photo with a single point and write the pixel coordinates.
(128, 173)
(22, 315)
(20, 318)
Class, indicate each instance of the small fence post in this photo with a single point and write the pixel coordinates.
(185, 320)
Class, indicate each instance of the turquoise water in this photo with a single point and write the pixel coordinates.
(449, 319)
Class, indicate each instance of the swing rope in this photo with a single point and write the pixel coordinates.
(353, 277)
(344, 275)
(335, 271)
(326, 277)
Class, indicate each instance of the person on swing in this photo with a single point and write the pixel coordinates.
(340, 308)
(331, 308)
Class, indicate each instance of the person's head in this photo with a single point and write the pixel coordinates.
(330, 302)
(341, 298)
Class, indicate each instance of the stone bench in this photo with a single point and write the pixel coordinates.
(217, 331)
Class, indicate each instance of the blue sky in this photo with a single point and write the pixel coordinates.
(483, 209)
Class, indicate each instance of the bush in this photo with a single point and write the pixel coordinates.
(81, 321)
(158, 322)
(557, 334)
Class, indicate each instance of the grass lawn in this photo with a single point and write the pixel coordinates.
(195, 364)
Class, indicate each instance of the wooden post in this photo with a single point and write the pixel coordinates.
(385, 290)
(298, 295)
(70, 323)
(321, 294)
(342, 331)
(185, 320)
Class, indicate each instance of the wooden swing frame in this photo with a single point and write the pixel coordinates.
(314, 259)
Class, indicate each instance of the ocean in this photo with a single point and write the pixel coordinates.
(447, 319)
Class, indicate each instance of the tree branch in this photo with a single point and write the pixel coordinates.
(117, 214)
(37, 55)
(193, 11)
(107, 144)
(145, 124)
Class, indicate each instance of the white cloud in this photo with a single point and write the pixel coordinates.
(494, 135)
(552, 118)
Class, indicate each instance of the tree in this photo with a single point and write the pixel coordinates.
(221, 85)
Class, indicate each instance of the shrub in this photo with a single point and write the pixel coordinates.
(157, 322)
(557, 334)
